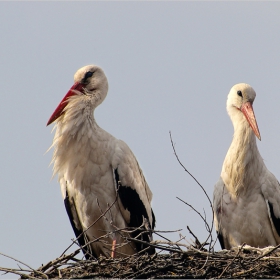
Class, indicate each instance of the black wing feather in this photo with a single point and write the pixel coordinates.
(154, 219)
(78, 233)
(221, 240)
(132, 202)
(276, 221)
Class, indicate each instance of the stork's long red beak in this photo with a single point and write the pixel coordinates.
(59, 110)
(247, 110)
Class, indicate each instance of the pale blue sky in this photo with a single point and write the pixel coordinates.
(170, 66)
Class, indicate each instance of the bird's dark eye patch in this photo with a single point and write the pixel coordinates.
(239, 92)
(87, 75)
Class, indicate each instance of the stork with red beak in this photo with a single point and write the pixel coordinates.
(98, 172)
(247, 196)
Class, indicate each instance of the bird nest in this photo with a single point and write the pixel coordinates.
(240, 262)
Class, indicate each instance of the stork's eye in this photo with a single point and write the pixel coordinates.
(239, 93)
(88, 75)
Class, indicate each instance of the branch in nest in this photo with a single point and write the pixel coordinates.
(209, 228)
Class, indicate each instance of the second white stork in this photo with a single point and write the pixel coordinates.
(95, 170)
(247, 195)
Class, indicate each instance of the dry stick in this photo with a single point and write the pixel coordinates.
(166, 231)
(156, 242)
(155, 246)
(17, 261)
(208, 228)
(211, 205)
(166, 238)
(205, 222)
(188, 171)
(205, 263)
(245, 271)
(32, 269)
(58, 262)
(239, 250)
(203, 253)
(180, 239)
(256, 267)
(17, 272)
(196, 239)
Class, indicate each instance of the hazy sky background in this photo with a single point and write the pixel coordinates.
(170, 66)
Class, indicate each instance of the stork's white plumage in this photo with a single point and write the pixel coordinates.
(94, 169)
(247, 196)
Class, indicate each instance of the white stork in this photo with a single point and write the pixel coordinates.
(95, 169)
(247, 196)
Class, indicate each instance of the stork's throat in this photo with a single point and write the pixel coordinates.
(239, 160)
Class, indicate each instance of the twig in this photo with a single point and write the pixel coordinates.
(197, 242)
(17, 272)
(239, 250)
(156, 242)
(155, 246)
(17, 261)
(31, 269)
(210, 202)
(189, 172)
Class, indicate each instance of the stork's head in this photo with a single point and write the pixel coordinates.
(240, 106)
(90, 84)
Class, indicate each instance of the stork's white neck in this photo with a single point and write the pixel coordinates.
(241, 162)
(77, 140)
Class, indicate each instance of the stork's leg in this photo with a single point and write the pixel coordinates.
(113, 248)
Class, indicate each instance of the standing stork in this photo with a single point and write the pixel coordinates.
(247, 196)
(103, 187)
